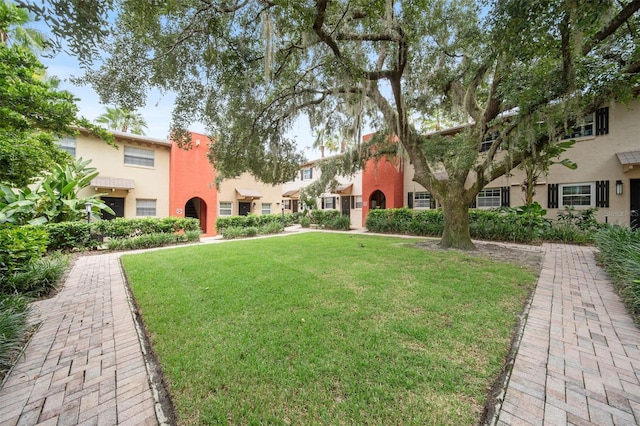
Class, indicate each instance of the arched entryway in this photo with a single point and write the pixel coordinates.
(197, 209)
(377, 200)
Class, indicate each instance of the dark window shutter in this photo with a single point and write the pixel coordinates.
(602, 121)
(311, 173)
(353, 202)
(301, 174)
(473, 204)
(552, 202)
(410, 200)
(322, 202)
(504, 196)
(602, 193)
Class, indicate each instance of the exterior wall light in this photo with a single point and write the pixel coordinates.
(618, 187)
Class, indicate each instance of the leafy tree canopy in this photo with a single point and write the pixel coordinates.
(524, 71)
(33, 115)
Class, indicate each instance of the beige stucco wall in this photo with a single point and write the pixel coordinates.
(150, 182)
(597, 161)
(269, 194)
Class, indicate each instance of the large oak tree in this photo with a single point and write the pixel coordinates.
(514, 72)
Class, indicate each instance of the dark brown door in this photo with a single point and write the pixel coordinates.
(116, 204)
(346, 206)
(635, 203)
(244, 209)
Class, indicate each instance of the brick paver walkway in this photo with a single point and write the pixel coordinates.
(579, 360)
(85, 364)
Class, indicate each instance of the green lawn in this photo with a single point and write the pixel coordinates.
(322, 328)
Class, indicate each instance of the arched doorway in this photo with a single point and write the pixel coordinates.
(197, 209)
(377, 200)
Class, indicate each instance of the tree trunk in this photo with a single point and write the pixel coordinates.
(456, 224)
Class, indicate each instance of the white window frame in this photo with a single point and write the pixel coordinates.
(329, 203)
(357, 201)
(286, 204)
(591, 194)
(146, 207)
(68, 144)
(586, 130)
(265, 208)
(421, 200)
(489, 198)
(225, 208)
(310, 173)
(134, 156)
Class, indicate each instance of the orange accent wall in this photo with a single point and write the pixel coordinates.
(192, 176)
(386, 176)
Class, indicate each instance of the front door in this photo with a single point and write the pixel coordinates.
(634, 220)
(294, 209)
(116, 204)
(244, 208)
(346, 206)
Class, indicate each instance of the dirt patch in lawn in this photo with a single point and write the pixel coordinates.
(527, 257)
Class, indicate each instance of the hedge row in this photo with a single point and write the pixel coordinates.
(254, 221)
(483, 224)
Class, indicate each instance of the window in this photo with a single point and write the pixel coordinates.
(489, 197)
(226, 208)
(328, 203)
(422, 200)
(68, 144)
(580, 194)
(307, 174)
(286, 204)
(145, 207)
(586, 129)
(357, 201)
(488, 141)
(266, 208)
(138, 156)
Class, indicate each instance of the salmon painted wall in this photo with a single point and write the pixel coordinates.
(387, 176)
(192, 177)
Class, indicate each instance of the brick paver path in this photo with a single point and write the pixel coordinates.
(579, 359)
(84, 365)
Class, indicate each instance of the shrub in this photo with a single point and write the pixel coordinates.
(20, 246)
(271, 228)
(151, 240)
(620, 256)
(68, 236)
(226, 222)
(324, 218)
(341, 223)
(13, 326)
(38, 278)
(522, 224)
(305, 222)
(123, 227)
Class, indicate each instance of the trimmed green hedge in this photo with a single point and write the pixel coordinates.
(508, 225)
(254, 221)
(122, 227)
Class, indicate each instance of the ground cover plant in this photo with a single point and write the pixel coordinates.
(321, 328)
(620, 256)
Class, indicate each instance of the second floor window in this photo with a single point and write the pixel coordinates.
(68, 144)
(306, 174)
(138, 156)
